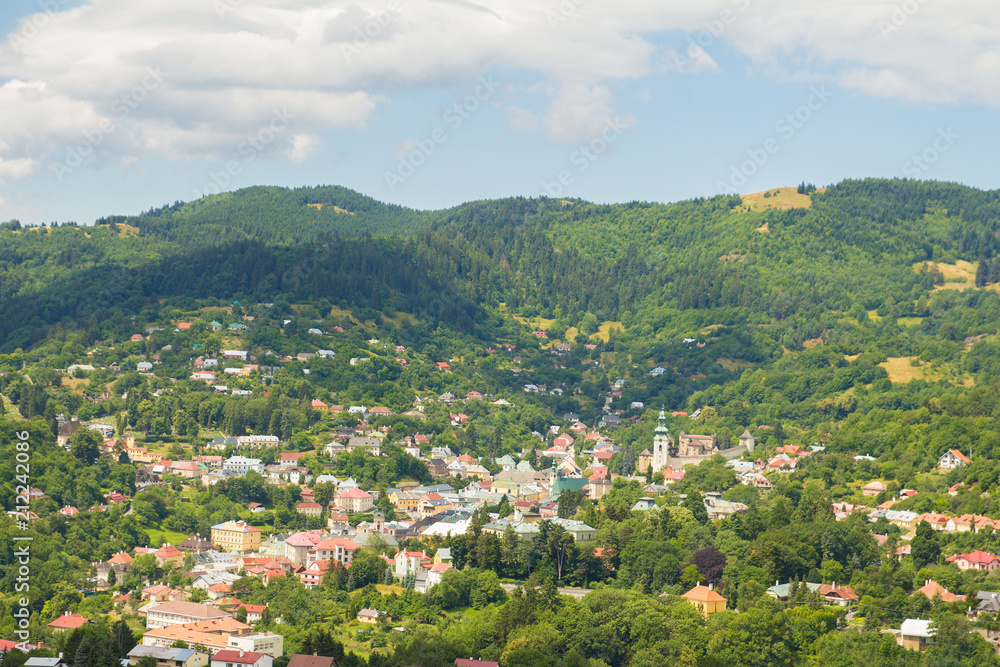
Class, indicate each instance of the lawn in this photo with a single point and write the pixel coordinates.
(164, 536)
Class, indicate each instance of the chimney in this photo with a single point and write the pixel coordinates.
(711, 587)
(241, 653)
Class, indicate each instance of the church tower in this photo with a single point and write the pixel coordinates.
(662, 442)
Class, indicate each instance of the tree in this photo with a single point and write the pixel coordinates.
(112, 578)
(925, 547)
(85, 445)
(710, 563)
(695, 502)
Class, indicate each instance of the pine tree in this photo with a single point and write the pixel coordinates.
(982, 272)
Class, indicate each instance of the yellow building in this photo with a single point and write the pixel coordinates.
(236, 536)
(705, 599)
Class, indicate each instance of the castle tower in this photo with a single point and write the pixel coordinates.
(748, 440)
(662, 442)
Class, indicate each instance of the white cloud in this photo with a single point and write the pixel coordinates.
(580, 113)
(330, 63)
(521, 120)
(303, 145)
(404, 149)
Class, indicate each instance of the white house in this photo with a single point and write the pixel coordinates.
(953, 459)
(241, 465)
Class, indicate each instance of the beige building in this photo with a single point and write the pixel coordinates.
(164, 614)
(236, 536)
(916, 634)
(355, 500)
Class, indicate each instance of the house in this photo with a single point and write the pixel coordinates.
(989, 602)
(977, 560)
(469, 662)
(952, 460)
(932, 588)
(644, 504)
(720, 509)
(705, 599)
(916, 635)
(831, 594)
(168, 657)
(164, 614)
(371, 445)
(236, 536)
(873, 488)
(239, 658)
(241, 465)
(355, 500)
(580, 531)
(309, 509)
(68, 621)
(161, 593)
(370, 616)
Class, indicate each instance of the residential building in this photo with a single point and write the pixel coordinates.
(241, 465)
(370, 616)
(916, 635)
(168, 657)
(309, 509)
(240, 658)
(705, 599)
(236, 536)
(952, 459)
(355, 500)
(68, 622)
(873, 488)
(977, 560)
(163, 614)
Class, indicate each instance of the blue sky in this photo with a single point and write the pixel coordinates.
(114, 107)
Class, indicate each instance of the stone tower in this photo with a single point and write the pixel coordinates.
(748, 440)
(662, 442)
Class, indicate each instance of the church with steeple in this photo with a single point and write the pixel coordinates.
(662, 444)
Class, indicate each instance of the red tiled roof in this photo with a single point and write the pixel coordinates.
(248, 657)
(69, 622)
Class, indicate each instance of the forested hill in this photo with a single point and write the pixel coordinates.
(653, 267)
(276, 215)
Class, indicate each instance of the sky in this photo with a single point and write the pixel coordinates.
(117, 106)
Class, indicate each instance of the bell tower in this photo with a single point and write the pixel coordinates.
(662, 442)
